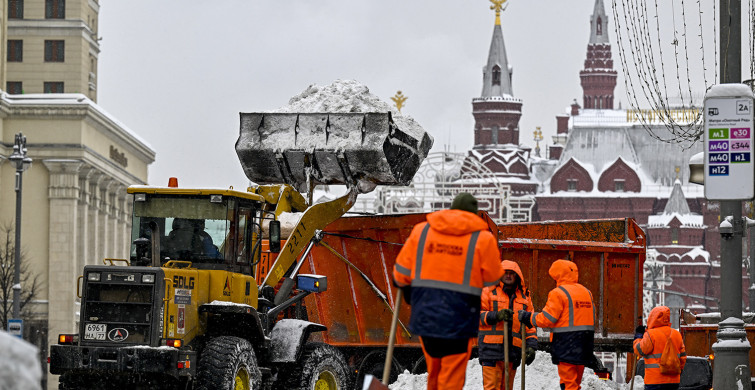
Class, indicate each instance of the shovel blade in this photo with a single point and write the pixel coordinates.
(364, 149)
(372, 383)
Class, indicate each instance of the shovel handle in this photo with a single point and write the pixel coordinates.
(524, 354)
(506, 355)
(392, 338)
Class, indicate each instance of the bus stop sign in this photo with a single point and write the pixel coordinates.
(728, 138)
(16, 327)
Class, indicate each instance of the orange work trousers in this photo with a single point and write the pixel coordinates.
(448, 372)
(494, 378)
(570, 376)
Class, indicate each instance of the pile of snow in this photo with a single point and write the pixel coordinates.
(541, 374)
(344, 96)
(19, 364)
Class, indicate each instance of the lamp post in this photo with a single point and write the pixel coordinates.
(21, 162)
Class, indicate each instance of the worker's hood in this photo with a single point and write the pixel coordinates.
(564, 272)
(456, 222)
(508, 265)
(659, 316)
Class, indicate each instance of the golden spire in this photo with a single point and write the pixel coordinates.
(498, 7)
(399, 99)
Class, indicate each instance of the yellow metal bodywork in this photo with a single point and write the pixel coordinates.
(314, 218)
(194, 191)
(188, 288)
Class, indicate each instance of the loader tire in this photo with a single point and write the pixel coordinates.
(228, 363)
(320, 367)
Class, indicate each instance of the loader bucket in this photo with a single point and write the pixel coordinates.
(356, 149)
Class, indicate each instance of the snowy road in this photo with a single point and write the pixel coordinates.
(541, 374)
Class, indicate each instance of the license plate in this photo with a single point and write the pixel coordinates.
(95, 332)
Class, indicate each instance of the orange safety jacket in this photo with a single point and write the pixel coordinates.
(447, 261)
(570, 313)
(652, 343)
(490, 340)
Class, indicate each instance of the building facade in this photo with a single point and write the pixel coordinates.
(74, 205)
(605, 163)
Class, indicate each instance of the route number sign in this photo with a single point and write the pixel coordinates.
(728, 138)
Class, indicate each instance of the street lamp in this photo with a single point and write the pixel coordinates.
(21, 162)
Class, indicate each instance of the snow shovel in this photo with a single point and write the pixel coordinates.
(506, 356)
(370, 382)
(634, 372)
(524, 354)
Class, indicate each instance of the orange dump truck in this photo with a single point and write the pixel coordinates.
(357, 255)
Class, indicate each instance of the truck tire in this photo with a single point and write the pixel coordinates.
(320, 367)
(228, 363)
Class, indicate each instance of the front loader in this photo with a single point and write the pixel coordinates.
(185, 311)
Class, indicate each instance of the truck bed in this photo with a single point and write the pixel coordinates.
(609, 253)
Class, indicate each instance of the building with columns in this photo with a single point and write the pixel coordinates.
(75, 210)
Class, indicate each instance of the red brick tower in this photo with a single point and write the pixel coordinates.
(496, 111)
(598, 77)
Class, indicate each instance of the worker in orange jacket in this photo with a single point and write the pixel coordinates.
(570, 313)
(650, 345)
(499, 303)
(442, 269)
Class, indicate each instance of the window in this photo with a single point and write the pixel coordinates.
(55, 9)
(53, 87)
(15, 9)
(496, 75)
(571, 184)
(674, 235)
(14, 87)
(54, 51)
(15, 50)
(599, 26)
(618, 185)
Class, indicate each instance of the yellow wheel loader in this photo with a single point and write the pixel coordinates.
(185, 310)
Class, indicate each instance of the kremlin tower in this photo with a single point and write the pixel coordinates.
(598, 78)
(496, 113)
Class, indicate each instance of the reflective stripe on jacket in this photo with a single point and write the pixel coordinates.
(653, 342)
(447, 261)
(490, 340)
(570, 313)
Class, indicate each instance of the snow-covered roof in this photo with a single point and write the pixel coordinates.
(599, 137)
(687, 220)
(71, 100)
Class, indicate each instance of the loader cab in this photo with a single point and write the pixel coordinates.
(211, 228)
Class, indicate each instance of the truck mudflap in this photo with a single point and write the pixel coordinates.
(127, 360)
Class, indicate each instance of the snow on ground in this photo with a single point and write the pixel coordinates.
(19, 364)
(541, 374)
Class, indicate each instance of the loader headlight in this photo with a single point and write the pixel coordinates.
(93, 277)
(140, 197)
(148, 278)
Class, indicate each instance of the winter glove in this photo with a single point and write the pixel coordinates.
(505, 315)
(529, 355)
(525, 317)
(639, 332)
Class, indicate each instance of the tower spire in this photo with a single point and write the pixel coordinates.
(598, 77)
(498, 7)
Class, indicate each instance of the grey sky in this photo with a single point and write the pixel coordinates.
(178, 72)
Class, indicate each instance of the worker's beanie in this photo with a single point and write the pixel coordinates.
(465, 201)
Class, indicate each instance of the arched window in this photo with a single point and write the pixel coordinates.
(599, 27)
(496, 75)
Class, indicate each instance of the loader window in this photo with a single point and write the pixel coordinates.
(192, 229)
